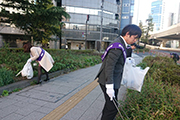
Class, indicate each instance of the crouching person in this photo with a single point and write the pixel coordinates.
(42, 57)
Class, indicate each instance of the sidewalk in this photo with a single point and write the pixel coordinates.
(73, 96)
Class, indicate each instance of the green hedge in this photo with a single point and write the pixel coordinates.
(14, 60)
(6, 76)
(163, 69)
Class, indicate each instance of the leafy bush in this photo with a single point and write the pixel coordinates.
(5, 93)
(6, 76)
(142, 50)
(157, 101)
(159, 98)
(163, 68)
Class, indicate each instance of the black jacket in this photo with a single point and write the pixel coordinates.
(112, 67)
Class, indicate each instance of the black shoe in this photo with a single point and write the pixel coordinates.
(39, 82)
(46, 79)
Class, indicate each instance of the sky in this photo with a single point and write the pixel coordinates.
(142, 9)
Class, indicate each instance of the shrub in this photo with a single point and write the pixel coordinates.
(163, 69)
(5, 93)
(142, 50)
(6, 76)
(15, 59)
(159, 98)
(157, 101)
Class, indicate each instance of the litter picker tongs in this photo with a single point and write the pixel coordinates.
(116, 103)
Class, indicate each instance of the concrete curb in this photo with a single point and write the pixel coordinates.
(25, 83)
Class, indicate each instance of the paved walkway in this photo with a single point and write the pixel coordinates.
(73, 96)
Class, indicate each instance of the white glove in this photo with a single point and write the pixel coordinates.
(29, 60)
(110, 91)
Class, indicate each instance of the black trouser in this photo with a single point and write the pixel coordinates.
(109, 111)
(40, 73)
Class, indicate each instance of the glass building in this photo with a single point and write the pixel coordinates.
(126, 13)
(92, 22)
(156, 11)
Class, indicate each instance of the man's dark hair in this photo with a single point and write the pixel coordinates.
(132, 29)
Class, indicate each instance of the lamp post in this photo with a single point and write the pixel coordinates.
(102, 3)
(59, 3)
(86, 31)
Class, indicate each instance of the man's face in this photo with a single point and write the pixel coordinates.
(131, 39)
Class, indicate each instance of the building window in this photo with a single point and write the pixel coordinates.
(118, 2)
(116, 16)
(125, 17)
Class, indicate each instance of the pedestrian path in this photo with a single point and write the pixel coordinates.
(73, 96)
(60, 111)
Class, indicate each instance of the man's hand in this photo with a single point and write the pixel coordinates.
(110, 91)
(29, 60)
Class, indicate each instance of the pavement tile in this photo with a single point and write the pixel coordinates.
(45, 110)
(53, 105)
(34, 116)
(3, 113)
(73, 114)
(6, 102)
(13, 116)
(11, 109)
(16, 97)
(38, 102)
(50, 97)
(91, 114)
(27, 110)
(22, 104)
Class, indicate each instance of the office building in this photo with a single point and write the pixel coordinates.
(165, 13)
(92, 22)
(156, 12)
(126, 13)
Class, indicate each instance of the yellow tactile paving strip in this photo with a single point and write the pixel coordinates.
(60, 111)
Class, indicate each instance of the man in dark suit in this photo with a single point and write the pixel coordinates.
(110, 73)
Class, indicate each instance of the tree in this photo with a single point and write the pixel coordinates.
(146, 29)
(38, 18)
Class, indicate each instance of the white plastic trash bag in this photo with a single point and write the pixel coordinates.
(133, 76)
(27, 71)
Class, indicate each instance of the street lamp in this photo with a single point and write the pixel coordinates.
(86, 30)
(102, 3)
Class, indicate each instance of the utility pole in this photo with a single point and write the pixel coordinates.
(86, 32)
(60, 40)
(102, 3)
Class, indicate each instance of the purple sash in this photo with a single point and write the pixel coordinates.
(41, 55)
(114, 45)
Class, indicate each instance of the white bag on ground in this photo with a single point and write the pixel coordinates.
(27, 71)
(133, 76)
